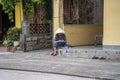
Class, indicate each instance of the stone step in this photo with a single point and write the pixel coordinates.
(90, 53)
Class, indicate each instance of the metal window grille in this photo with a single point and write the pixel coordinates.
(40, 28)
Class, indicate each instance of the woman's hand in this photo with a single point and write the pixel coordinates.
(61, 41)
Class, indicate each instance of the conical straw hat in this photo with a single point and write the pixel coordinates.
(59, 30)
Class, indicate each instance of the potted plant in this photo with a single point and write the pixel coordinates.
(13, 35)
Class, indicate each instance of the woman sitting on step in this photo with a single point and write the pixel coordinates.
(60, 41)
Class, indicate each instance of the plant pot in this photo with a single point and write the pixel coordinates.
(16, 43)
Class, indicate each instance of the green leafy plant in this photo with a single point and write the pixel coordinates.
(8, 7)
(29, 8)
(13, 34)
(7, 42)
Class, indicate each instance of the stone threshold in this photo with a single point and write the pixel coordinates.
(90, 53)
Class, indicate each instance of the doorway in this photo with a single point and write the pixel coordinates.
(5, 24)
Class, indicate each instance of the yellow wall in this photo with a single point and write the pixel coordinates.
(111, 22)
(61, 13)
(82, 34)
(18, 14)
(56, 15)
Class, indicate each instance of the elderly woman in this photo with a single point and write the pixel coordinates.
(60, 41)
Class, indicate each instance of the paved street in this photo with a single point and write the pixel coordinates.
(42, 62)
(24, 75)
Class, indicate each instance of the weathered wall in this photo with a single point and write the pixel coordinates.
(82, 34)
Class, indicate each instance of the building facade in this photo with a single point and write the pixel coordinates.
(83, 34)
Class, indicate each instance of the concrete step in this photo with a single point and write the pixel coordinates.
(90, 53)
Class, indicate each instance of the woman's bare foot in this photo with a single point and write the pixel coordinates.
(53, 53)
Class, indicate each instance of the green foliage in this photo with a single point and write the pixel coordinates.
(46, 6)
(8, 42)
(28, 8)
(47, 10)
(8, 7)
(38, 1)
(13, 34)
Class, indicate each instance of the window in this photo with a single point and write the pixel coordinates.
(83, 11)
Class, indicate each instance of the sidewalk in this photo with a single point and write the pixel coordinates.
(3, 49)
(42, 61)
